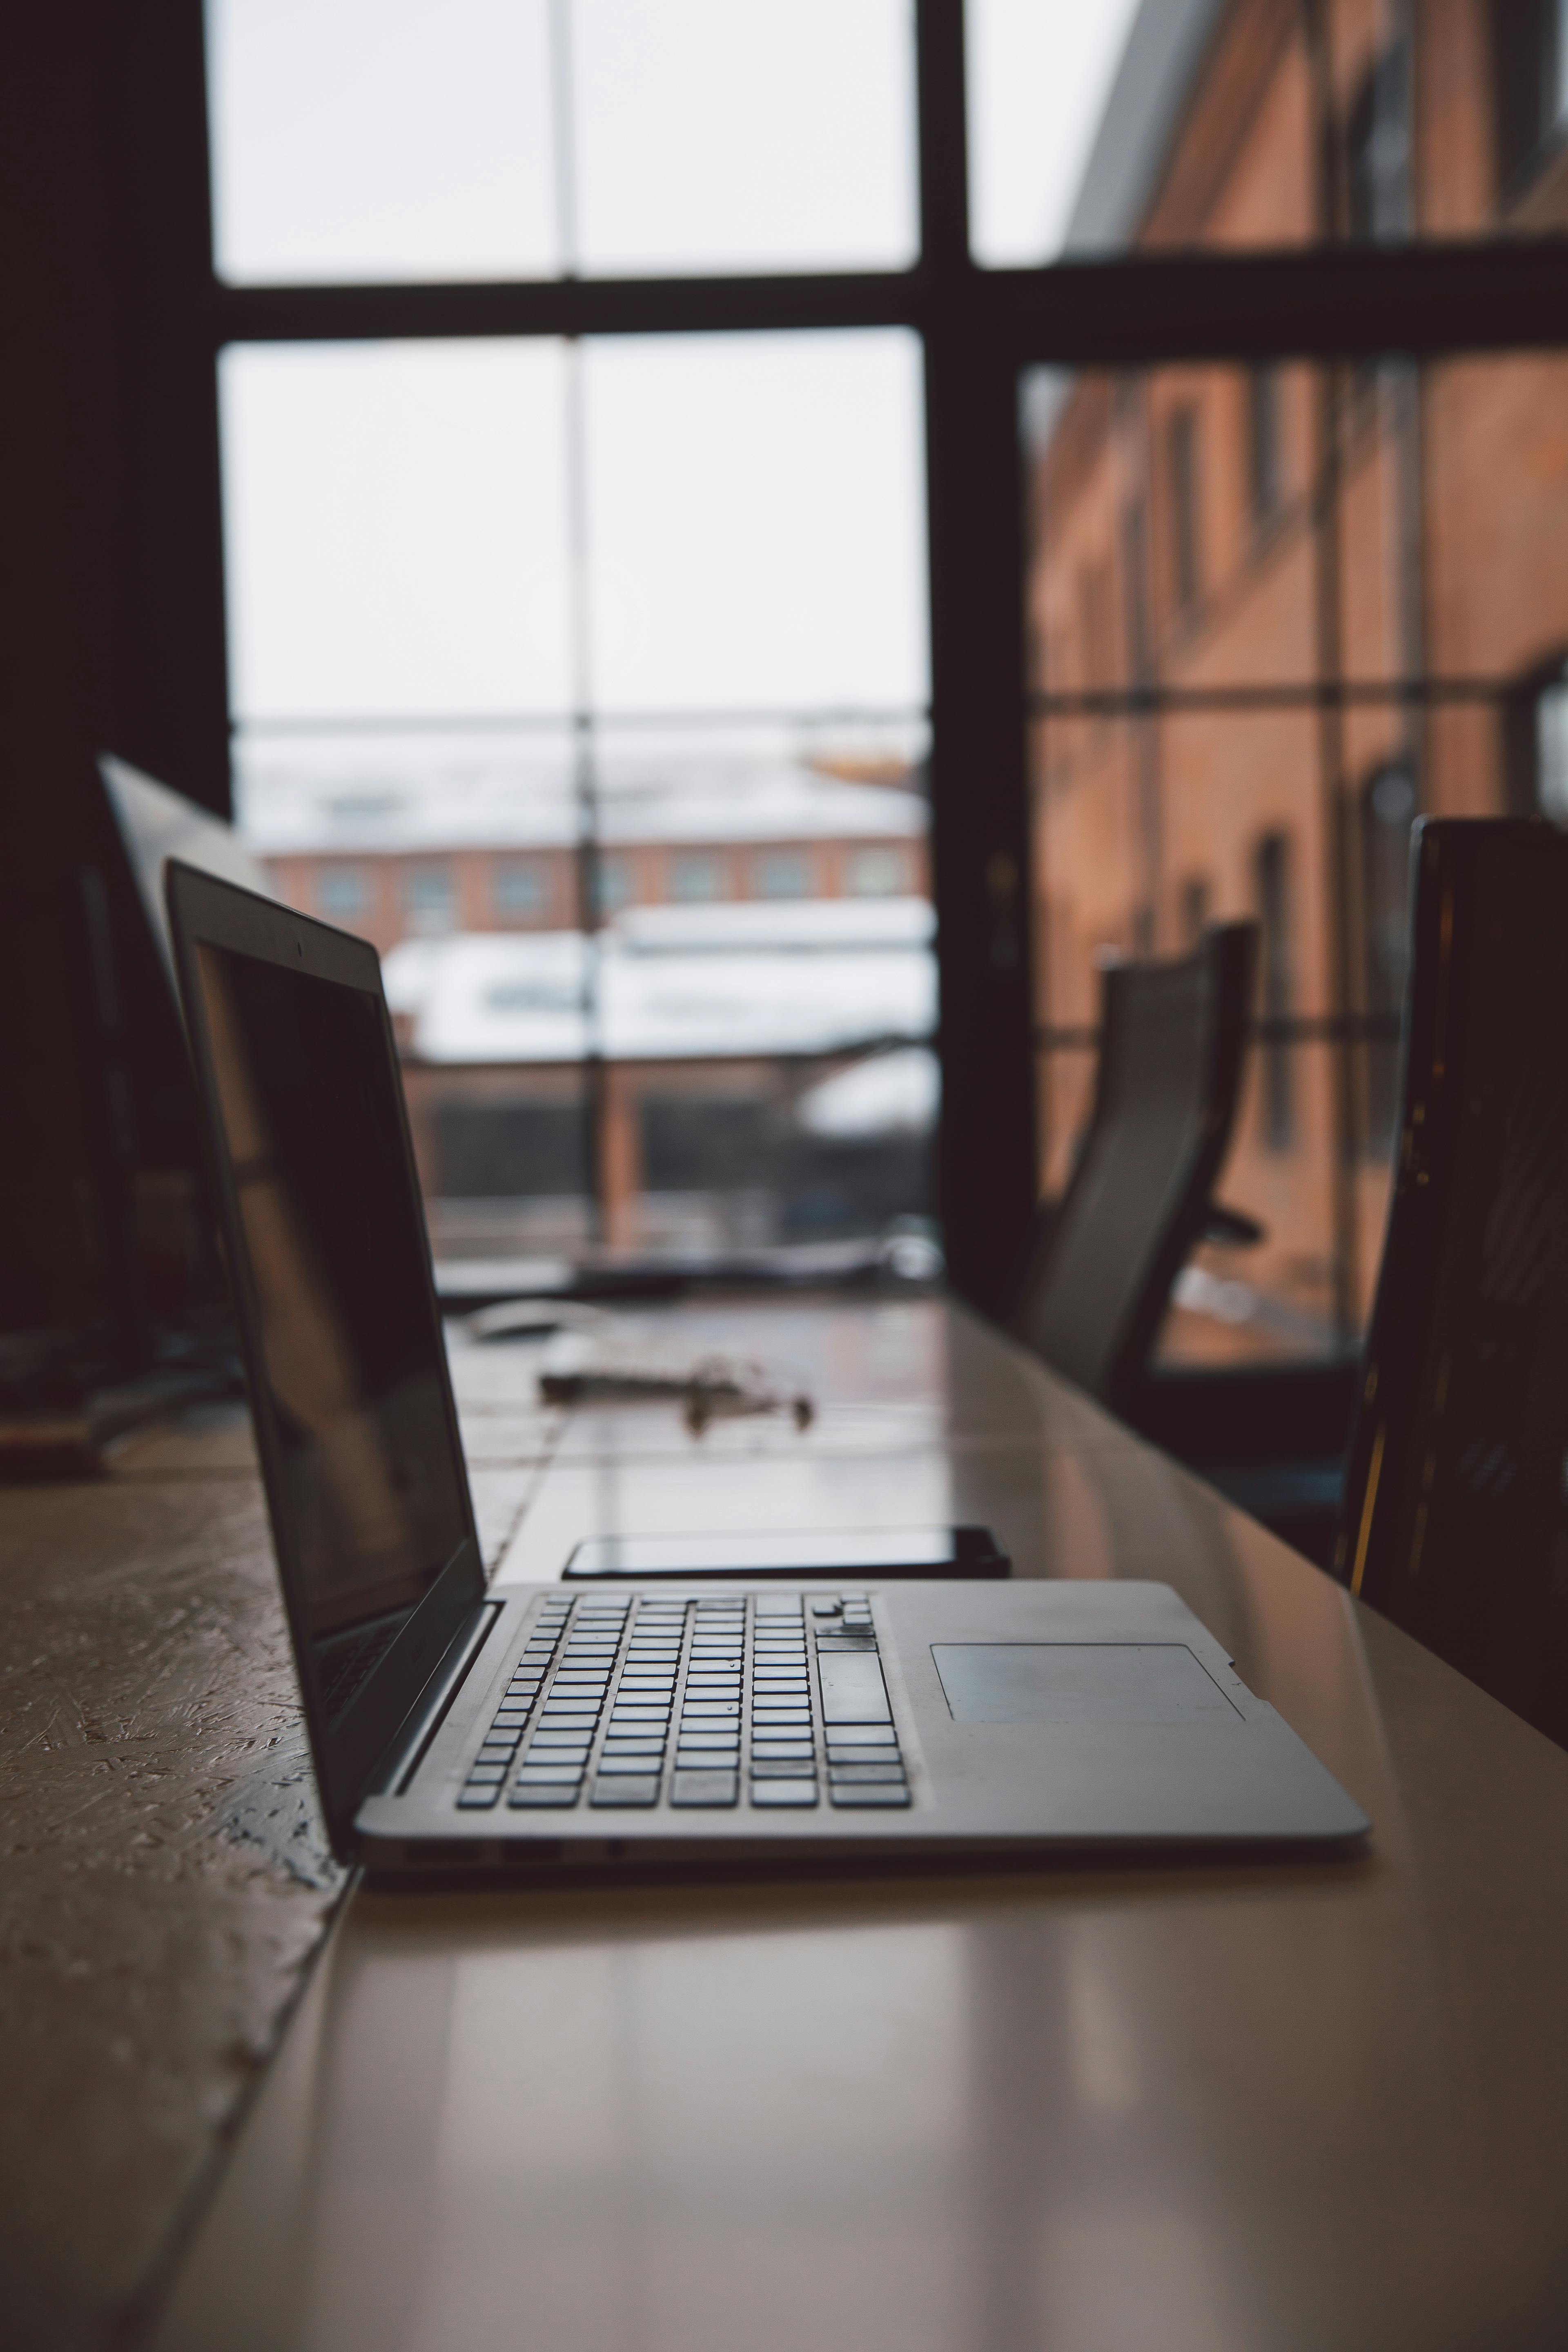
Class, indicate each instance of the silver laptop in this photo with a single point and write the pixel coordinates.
(548, 1729)
(156, 824)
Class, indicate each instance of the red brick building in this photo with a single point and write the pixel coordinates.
(401, 854)
(1276, 613)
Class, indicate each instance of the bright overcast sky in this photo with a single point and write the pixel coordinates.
(395, 514)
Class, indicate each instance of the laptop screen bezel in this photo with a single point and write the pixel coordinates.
(204, 911)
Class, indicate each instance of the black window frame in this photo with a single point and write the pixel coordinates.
(981, 328)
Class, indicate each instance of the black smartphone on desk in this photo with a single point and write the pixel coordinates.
(811, 1552)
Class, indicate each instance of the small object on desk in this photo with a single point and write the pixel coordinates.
(59, 1444)
(806, 1552)
(588, 1370)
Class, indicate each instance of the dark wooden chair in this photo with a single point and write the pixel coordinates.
(1097, 1284)
(1456, 1509)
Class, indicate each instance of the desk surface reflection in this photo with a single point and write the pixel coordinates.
(1262, 2106)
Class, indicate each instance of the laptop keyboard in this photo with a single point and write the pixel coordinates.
(772, 1701)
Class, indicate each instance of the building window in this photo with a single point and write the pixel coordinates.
(519, 886)
(875, 872)
(1181, 467)
(1387, 813)
(1263, 443)
(343, 893)
(781, 874)
(429, 900)
(696, 875)
(1377, 150)
(1273, 894)
(1135, 592)
(614, 883)
(1530, 85)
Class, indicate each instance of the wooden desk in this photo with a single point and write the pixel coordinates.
(1308, 2106)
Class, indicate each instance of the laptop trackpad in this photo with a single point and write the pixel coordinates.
(1070, 1683)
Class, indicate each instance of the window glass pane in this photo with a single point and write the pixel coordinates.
(777, 135)
(1140, 821)
(394, 530)
(1273, 1298)
(766, 1074)
(757, 524)
(1189, 123)
(879, 872)
(1172, 522)
(1039, 77)
(437, 826)
(1368, 621)
(433, 828)
(365, 139)
(783, 874)
(695, 875)
(1268, 1301)
(758, 1096)
(616, 882)
(522, 889)
(380, 139)
(343, 893)
(429, 898)
(740, 1038)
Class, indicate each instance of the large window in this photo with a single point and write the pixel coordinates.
(358, 139)
(1375, 654)
(622, 523)
(552, 630)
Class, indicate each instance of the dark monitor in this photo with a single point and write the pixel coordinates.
(314, 1176)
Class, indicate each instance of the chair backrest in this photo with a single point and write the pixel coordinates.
(1456, 1513)
(1171, 1034)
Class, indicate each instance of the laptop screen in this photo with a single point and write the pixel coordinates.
(347, 1347)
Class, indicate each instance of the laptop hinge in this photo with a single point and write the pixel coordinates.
(406, 1753)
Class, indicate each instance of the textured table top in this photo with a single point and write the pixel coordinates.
(1281, 2107)
(163, 1878)
(1242, 2106)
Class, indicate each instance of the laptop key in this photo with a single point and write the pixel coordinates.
(552, 1792)
(877, 1792)
(797, 1793)
(479, 1800)
(700, 1788)
(625, 1789)
(853, 1690)
(844, 1775)
(792, 1767)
